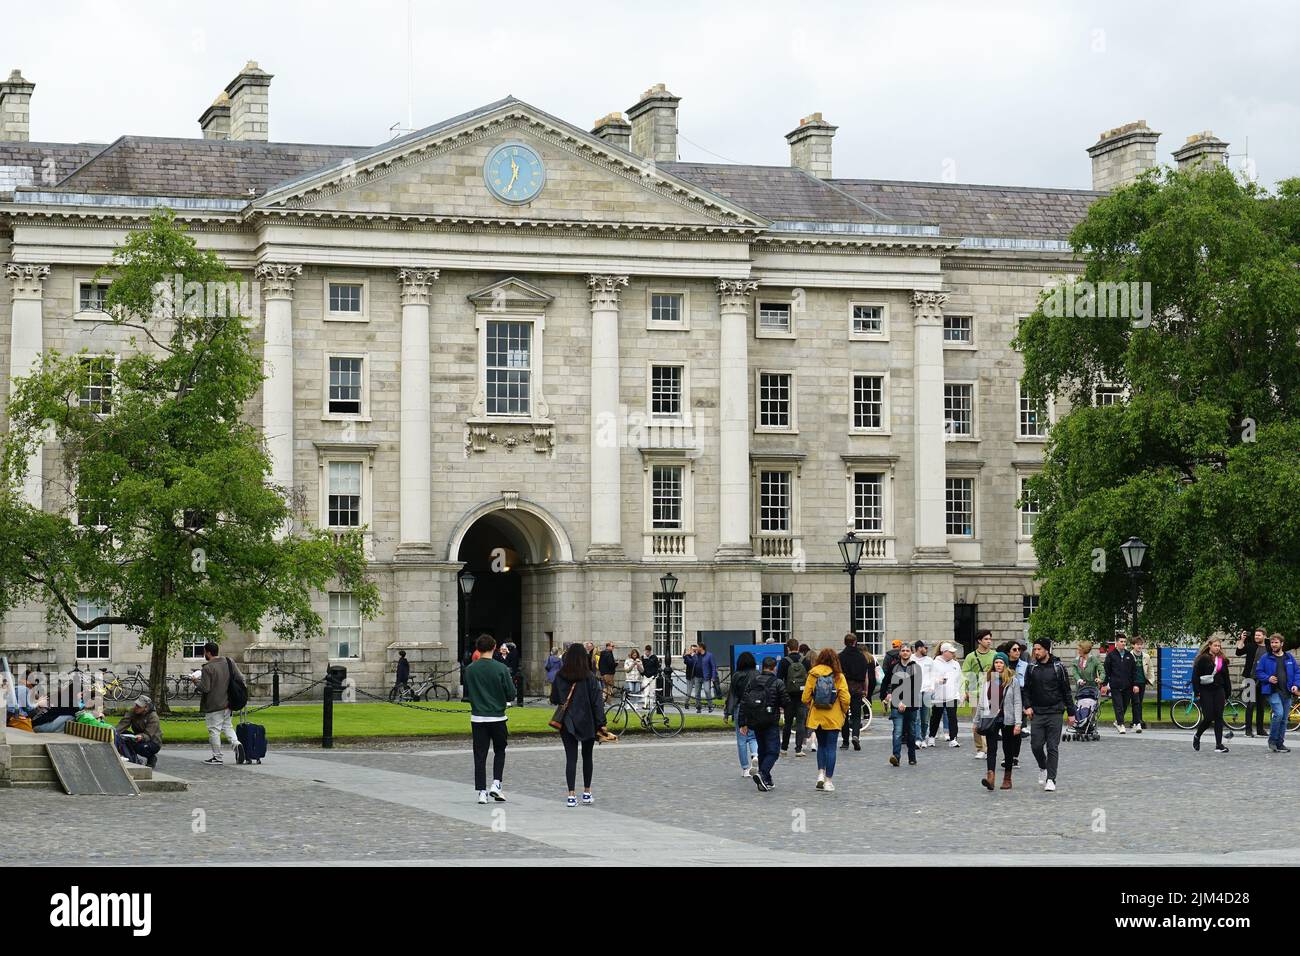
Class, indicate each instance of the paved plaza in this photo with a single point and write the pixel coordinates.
(1147, 799)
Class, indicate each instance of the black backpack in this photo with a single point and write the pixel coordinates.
(237, 690)
(761, 702)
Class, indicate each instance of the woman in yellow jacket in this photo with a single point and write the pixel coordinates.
(826, 695)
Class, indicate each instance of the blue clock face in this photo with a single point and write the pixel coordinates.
(514, 173)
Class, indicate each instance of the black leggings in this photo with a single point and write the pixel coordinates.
(1211, 702)
(936, 719)
(1010, 747)
(571, 759)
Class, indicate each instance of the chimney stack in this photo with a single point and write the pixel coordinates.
(810, 145)
(1122, 154)
(1202, 151)
(654, 125)
(16, 109)
(250, 103)
(215, 121)
(615, 130)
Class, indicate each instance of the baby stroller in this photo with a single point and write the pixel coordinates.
(1085, 717)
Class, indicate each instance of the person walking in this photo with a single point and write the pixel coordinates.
(581, 694)
(490, 689)
(706, 672)
(1279, 681)
(552, 666)
(946, 676)
(138, 735)
(1212, 686)
(793, 673)
(973, 668)
(746, 741)
(689, 662)
(1046, 695)
(214, 700)
(826, 695)
(1121, 675)
(903, 696)
(403, 673)
(633, 671)
(999, 716)
(607, 666)
(1019, 666)
(1086, 670)
(1140, 681)
(759, 711)
(651, 670)
(853, 664)
(1251, 647)
(921, 715)
(592, 657)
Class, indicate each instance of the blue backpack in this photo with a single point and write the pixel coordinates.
(824, 692)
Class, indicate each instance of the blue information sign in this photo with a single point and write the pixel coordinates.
(1176, 671)
(759, 651)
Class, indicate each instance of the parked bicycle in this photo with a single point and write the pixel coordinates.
(129, 687)
(660, 717)
(1186, 713)
(427, 689)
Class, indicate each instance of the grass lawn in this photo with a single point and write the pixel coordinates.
(362, 721)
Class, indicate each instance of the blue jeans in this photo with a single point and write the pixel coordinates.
(826, 740)
(920, 729)
(1280, 702)
(769, 749)
(746, 744)
(905, 724)
(54, 726)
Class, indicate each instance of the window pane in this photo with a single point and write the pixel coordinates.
(666, 391)
(1029, 510)
(774, 316)
(345, 386)
(666, 307)
(345, 297)
(868, 503)
(666, 496)
(92, 645)
(344, 503)
(91, 297)
(957, 328)
(1033, 418)
(960, 498)
(774, 501)
(869, 622)
(868, 319)
(97, 393)
(774, 400)
(777, 617)
(868, 401)
(344, 625)
(509, 368)
(958, 409)
(669, 627)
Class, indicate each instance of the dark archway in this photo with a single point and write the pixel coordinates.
(492, 552)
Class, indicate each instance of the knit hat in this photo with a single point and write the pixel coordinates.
(1006, 661)
(1044, 642)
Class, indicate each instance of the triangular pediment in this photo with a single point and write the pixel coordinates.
(510, 295)
(438, 174)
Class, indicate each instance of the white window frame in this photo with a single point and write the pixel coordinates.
(1049, 412)
(671, 611)
(681, 540)
(882, 335)
(1025, 556)
(1123, 391)
(115, 361)
(364, 453)
(759, 427)
(880, 545)
(539, 410)
(863, 600)
(79, 635)
(652, 325)
(326, 414)
(974, 507)
(331, 316)
(886, 411)
(1026, 611)
(965, 548)
(974, 435)
(1035, 513)
(784, 608)
(87, 315)
(683, 418)
(793, 466)
(969, 346)
(330, 625)
(762, 333)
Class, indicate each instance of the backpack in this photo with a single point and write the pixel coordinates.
(796, 675)
(236, 691)
(651, 666)
(760, 703)
(824, 693)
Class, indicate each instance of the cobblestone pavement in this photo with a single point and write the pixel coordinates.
(1136, 799)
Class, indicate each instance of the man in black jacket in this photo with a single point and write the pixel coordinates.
(1121, 675)
(1046, 694)
(608, 668)
(1252, 650)
(887, 668)
(854, 665)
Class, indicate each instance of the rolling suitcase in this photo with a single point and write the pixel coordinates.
(252, 742)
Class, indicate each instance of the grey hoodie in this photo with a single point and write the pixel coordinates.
(905, 684)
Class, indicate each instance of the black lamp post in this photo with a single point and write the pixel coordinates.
(668, 585)
(466, 582)
(851, 551)
(1134, 551)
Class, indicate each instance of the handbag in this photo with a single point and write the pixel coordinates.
(986, 725)
(20, 722)
(557, 719)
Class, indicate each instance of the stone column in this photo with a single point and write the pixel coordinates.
(606, 453)
(733, 419)
(416, 497)
(930, 455)
(26, 343)
(277, 365)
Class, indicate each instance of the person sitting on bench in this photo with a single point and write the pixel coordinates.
(138, 737)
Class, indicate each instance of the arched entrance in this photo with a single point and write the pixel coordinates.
(508, 544)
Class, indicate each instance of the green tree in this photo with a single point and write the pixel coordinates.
(1202, 461)
(181, 530)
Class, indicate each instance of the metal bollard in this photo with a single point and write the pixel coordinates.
(275, 686)
(327, 715)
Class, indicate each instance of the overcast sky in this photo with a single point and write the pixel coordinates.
(977, 92)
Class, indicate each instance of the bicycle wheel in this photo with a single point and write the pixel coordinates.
(438, 692)
(1185, 713)
(1234, 714)
(1293, 721)
(867, 715)
(667, 719)
(616, 719)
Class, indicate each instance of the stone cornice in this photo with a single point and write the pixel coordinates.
(733, 294)
(416, 285)
(605, 290)
(27, 279)
(927, 307)
(277, 278)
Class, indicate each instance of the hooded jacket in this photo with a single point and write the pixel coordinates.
(146, 724)
(826, 718)
(1267, 667)
(1047, 688)
(905, 683)
(949, 691)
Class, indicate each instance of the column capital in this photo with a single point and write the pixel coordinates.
(605, 290)
(927, 307)
(277, 278)
(26, 279)
(733, 294)
(416, 285)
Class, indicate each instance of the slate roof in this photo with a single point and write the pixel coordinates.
(777, 192)
(24, 164)
(156, 166)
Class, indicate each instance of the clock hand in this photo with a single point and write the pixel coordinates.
(514, 177)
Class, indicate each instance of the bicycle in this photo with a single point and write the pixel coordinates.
(133, 685)
(427, 689)
(662, 718)
(1186, 713)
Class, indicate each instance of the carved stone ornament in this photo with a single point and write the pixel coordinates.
(510, 436)
(277, 278)
(605, 290)
(416, 285)
(733, 294)
(927, 307)
(26, 279)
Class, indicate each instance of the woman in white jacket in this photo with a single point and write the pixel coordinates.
(945, 676)
(633, 669)
(926, 663)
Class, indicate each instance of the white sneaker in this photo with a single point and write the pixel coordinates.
(1049, 786)
(828, 786)
(954, 742)
(1120, 728)
(753, 765)
(979, 755)
(745, 773)
(496, 794)
(929, 741)
(482, 796)
(821, 779)
(1042, 777)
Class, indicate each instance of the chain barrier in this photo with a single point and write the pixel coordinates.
(249, 710)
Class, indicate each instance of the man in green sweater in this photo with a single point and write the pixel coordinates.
(974, 667)
(490, 689)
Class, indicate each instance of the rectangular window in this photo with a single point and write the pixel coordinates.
(344, 625)
(869, 502)
(345, 386)
(869, 402)
(97, 392)
(666, 391)
(778, 617)
(666, 496)
(345, 297)
(1029, 509)
(93, 645)
(92, 512)
(869, 622)
(774, 400)
(774, 317)
(90, 297)
(192, 648)
(666, 308)
(669, 629)
(959, 409)
(344, 494)
(1033, 417)
(1107, 395)
(960, 500)
(509, 368)
(1028, 605)
(868, 319)
(774, 501)
(958, 329)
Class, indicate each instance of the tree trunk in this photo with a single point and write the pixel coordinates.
(158, 676)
